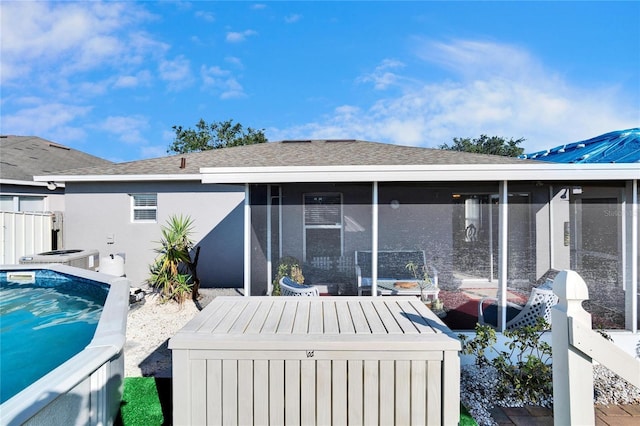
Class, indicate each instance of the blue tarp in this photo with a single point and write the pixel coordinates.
(621, 146)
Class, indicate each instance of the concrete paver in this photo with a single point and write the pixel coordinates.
(606, 415)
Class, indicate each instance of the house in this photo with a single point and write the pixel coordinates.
(490, 225)
(23, 157)
(23, 199)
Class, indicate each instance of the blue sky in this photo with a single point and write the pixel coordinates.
(112, 78)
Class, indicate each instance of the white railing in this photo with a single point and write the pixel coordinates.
(575, 346)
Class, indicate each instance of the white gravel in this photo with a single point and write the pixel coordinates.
(477, 392)
(151, 324)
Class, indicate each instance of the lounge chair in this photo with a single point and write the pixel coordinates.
(540, 302)
(289, 287)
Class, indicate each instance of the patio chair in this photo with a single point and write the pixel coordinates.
(540, 302)
(289, 287)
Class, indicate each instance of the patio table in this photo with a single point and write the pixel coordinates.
(388, 287)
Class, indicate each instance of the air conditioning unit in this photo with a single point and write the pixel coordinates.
(85, 259)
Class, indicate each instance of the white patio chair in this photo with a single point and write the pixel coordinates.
(540, 302)
(289, 287)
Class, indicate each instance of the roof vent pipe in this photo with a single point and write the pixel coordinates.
(183, 163)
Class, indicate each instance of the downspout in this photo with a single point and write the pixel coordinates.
(374, 240)
(247, 241)
(503, 247)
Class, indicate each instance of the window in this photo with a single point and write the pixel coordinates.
(31, 204)
(16, 203)
(144, 207)
(8, 204)
(323, 225)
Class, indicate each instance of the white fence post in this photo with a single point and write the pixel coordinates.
(572, 370)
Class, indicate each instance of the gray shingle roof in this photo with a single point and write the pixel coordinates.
(22, 157)
(297, 153)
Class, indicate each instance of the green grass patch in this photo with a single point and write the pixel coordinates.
(465, 417)
(140, 403)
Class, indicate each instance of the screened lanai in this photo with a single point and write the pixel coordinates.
(488, 239)
(485, 230)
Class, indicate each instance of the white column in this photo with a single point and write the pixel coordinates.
(503, 251)
(269, 251)
(374, 240)
(630, 250)
(247, 242)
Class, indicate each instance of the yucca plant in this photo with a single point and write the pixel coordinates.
(168, 273)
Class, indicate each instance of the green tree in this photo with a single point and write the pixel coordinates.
(221, 134)
(493, 145)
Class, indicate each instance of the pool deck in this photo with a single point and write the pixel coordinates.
(606, 415)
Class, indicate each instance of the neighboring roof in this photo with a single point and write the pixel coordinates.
(621, 146)
(327, 161)
(22, 157)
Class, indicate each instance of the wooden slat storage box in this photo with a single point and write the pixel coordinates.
(315, 361)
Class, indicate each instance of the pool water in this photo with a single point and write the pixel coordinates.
(43, 324)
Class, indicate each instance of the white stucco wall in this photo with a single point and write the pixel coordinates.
(97, 213)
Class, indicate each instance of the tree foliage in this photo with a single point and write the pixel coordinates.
(219, 134)
(494, 145)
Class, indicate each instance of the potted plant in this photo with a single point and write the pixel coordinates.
(424, 280)
(287, 267)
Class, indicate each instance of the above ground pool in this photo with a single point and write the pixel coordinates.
(63, 333)
(44, 312)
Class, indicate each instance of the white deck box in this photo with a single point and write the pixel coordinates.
(316, 361)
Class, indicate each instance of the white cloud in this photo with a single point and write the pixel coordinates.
(206, 16)
(128, 129)
(222, 82)
(481, 59)
(293, 18)
(234, 61)
(496, 89)
(237, 37)
(69, 36)
(176, 72)
(382, 78)
(54, 120)
(142, 78)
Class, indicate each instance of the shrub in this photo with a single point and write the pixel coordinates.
(169, 272)
(524, 370)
